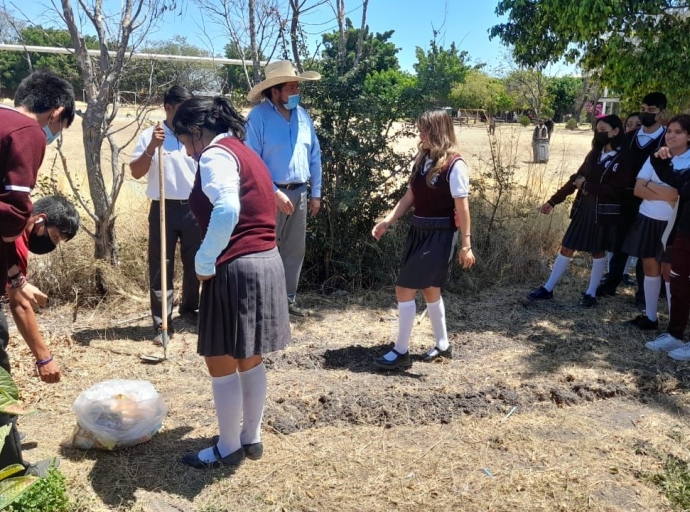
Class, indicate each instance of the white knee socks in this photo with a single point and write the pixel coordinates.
(559, 268)
(437, 315)
(598, 267)
(227, 395)
(254, 385)
(652, 287)
(406, 314)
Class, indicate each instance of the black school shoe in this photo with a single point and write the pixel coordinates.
(401, 361)
(540, 293)
(643, 323)
(232, 460)
(604, 291)
(436, 353)
(253, 451)
(587, 301)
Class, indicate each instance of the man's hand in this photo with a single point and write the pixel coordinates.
(314, 205)
(31, 294)
(49, 373)
(204, 278)
(284, 203)
(156, 140)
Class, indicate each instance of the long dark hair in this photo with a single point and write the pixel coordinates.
(216, 115)
(614, 122)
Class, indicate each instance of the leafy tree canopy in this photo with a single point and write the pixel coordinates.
(480, 91)
(633, 46)
(438, 70)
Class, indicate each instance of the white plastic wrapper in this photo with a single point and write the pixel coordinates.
(117, 413)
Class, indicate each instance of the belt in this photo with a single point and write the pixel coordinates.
(173, 201)
(289, 186)
(431, 223)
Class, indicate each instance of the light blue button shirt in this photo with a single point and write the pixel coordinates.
(290, 149)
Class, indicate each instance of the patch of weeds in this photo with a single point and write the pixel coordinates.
(49, 494)
(674, 482)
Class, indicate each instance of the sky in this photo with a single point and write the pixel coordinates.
(465, 22)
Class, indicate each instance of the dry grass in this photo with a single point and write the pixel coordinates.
(592, 410)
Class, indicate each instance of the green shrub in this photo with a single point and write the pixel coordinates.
(571, 124)
(524, 121)
(49, 494)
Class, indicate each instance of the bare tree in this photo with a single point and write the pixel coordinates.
(101, 76)
(251, 25)
(360, 39)
(299, 8)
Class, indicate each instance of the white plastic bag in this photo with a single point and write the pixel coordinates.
(117, 413)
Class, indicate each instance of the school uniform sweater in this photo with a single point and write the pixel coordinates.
(678, 179)
(606, 176)
(437, 201)
(255, 230)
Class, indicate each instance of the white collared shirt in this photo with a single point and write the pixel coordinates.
(659, 209)
(644, 138)
(178, 168)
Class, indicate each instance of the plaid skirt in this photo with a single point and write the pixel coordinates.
(243, 310)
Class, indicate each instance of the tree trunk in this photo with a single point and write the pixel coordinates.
(105, 243)
(256, 73)
(360, 39)
(294, 36)
(341, 35)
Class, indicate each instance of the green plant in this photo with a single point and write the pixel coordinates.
(571, 124)
(48, 494)
(675, 482)
(524, 121)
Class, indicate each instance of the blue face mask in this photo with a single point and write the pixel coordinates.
(50, 136)
(293, 101)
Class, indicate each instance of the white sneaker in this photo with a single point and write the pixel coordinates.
(665, 343)
(681, 354)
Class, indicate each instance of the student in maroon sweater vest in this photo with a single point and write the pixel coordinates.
(43, 107)
(243, 313)
(439, 187)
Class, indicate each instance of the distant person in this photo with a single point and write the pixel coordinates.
(667, 166)
(273, 126)
(243, 312)
(492, 125)
(438, 190)
(639, 145)
(549, 127)
(599, 183)
(54, 220)
(658, 208)
(179, 170)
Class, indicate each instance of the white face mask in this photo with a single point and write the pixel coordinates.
(50, 136)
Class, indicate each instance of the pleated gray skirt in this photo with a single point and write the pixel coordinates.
(243, 310)
(585, 234)
(644, 238)
(427, 258)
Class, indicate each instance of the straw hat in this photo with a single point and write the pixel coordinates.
(280, 72)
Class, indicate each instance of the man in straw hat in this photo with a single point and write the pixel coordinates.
(283, 135)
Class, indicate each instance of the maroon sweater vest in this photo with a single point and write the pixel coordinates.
(436, 202)
(256, 229)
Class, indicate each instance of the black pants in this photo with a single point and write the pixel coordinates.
(12, 450)
(179, 224)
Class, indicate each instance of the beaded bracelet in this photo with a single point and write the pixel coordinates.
(44, 362)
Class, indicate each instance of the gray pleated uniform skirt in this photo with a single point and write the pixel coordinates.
(644, 238)
(427, 258)
(243, 310)
(585, 234)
